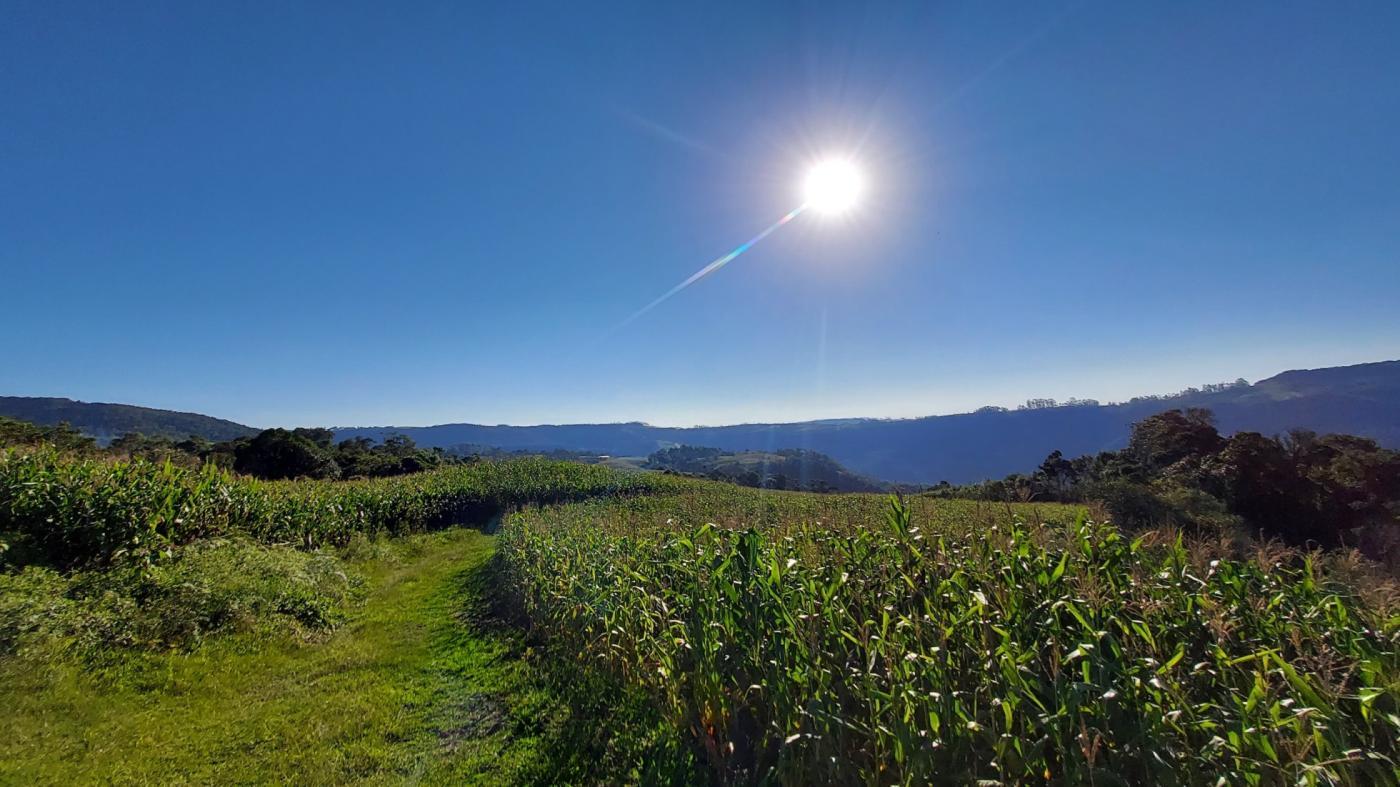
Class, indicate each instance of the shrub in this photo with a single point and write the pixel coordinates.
(1134, 505)
(204, 588)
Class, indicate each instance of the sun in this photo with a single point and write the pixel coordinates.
(833, 186)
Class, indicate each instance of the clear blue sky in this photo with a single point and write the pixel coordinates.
(413, 213)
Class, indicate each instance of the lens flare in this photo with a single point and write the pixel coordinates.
(832, 186)
(714, 266)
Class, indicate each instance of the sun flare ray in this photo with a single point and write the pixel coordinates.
(832, 186)
(714, 266)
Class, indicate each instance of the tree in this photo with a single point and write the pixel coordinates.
(1177, 470)
(320, 437)
(1262, 484)
(1059, 474)
(400, 445)
(1166, 438)
(278, 453)
(62, 437)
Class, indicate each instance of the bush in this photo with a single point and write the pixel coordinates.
(1133, 505)
(207, 587)
(1197, 511)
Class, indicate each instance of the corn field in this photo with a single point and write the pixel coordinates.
(800, 638)
(66, 511)
(945, 642)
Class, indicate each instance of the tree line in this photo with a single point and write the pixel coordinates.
(1177, 469)
(272, 454)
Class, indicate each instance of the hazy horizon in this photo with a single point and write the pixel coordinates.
(1010, 403)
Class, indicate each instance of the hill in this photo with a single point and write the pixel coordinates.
(109, 421)
(1362, 400)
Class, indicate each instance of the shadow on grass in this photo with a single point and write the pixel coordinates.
(582, 728)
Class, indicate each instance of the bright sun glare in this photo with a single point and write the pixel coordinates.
(833, 186)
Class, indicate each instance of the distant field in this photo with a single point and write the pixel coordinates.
(627, 463)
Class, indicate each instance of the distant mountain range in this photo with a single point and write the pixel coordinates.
(108, 421)
(990, 443)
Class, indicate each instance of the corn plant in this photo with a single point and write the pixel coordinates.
(68, 511)
(956, 649)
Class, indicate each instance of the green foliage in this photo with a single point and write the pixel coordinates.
(418, 689)
(1331, 490)
(791, 469)
(787, 637)
(192, 450)
(939, 648)
(107, 421)
(397, 455)
(273, 454)
(62, 436)
(1166, 438)
(208, 587)
(277, 454)
(1135, 504)
(63, 511)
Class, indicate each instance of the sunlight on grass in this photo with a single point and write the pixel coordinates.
(389, 696)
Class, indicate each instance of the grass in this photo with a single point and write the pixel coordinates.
(419, 687)
(424, 683)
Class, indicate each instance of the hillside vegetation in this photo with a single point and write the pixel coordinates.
(1179, 471)
(106, 422)
(271, 454)
(1361, 400)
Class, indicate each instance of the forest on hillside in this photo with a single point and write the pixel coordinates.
(271, 454)
(1179, 471)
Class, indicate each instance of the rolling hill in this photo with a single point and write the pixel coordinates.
(107, 421)
(1363, 400)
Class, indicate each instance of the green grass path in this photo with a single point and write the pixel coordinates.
(418, 688)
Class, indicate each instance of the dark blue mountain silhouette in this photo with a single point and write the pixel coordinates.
(1362, 400)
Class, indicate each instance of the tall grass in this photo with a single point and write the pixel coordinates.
(948, 649)
(66, 511)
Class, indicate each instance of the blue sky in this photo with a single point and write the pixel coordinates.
(418, 213)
